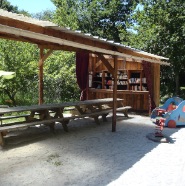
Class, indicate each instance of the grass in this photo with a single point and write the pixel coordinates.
(53, 159)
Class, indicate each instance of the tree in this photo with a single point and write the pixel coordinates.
(4, 4)
(103, 18)
(60, 82)
(24, 64)
(45, 15)
(59, 70)
(160, 29)
(65, 14)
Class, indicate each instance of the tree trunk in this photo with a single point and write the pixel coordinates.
(177, 84)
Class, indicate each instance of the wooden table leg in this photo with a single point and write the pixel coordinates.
(59, 114)
(64, 124)
(104, 117)
(96, 120)
(52, 127)
(125, 112)
(1, 138)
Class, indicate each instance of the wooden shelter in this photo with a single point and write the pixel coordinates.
(138, 83)
(49, 37)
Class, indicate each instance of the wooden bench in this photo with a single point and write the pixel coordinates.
(50, 122)
(124, 110)
(2, 118)
(93, 110)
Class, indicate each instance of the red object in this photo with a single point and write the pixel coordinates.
(171, 107)
(171, 124)
(159, 127)
(82, 62)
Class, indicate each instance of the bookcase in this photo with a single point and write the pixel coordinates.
(126, 80)
(137, 80)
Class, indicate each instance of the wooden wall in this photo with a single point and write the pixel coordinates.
(139, 100)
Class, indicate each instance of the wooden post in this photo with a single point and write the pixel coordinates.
(115, 94)
(43, 57)
(41, 84)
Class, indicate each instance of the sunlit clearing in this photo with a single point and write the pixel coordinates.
(161, 166)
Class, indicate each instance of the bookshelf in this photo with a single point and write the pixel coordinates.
(126, 80)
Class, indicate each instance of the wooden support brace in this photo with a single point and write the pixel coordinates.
(106, 63)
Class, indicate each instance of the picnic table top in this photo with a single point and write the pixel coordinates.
(56, 105)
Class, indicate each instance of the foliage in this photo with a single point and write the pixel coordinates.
(60, 80)
(160, 29)
(65, 14)
(59, 75)
(103, 18)
(45, 15)
(59, 69)
(16, 57)
(4, 4)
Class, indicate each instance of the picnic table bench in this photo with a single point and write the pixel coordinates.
(49, 114)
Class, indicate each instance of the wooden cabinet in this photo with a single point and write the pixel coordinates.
(126, 80)
(138, 100)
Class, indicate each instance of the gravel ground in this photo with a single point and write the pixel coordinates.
(92, 155)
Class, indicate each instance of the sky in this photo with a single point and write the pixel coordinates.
(33, 6)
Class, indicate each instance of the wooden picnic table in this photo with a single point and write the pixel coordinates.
(49, 114)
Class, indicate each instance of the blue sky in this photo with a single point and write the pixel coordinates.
(33, 6)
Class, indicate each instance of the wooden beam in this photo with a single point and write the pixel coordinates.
(55, 40)
(43, 57)
(50, 29)
(98, 63)
(59, 47)
(41, 64)
(106, 63)
(115, 94)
